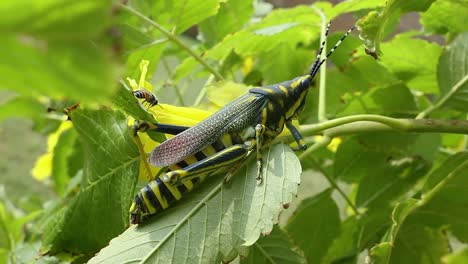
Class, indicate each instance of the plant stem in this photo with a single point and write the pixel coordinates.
(174, 39)
(360, 123)
(322, 111)
(177, 90)
(202, 92)
(444, 99)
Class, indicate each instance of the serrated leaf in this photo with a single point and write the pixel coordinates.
(419, 226)
(315, 225)
(377, 101)
(180, 15)
(444, 198)
(452, 73)
(99, 211)
(446, 17)
(246, 42)
(382, 153)
(355, 80)
(232, 16)
(151, 54)
(414, 61)
(212, 222)
(127, 102)
(274, 248)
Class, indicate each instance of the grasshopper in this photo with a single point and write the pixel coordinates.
(223, 139)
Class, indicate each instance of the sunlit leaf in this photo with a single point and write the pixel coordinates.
(446, 17)
(414, 61)
(180, 15)
(224, 217)
(101, 206)
(232, 16)
(452, 73)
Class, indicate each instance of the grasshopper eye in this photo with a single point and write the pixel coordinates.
(305, 83)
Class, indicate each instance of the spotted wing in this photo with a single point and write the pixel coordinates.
(235, 116)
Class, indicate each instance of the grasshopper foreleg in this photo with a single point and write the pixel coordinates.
(297, 136)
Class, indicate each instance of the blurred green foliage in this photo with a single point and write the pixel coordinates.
(390, 196)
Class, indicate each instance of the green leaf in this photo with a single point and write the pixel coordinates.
(56, 19)
(99, 212)
(60, 160)
(247, 42)
(314, 226)
(232, 16)
(151, 54)
(79, 70)
(298, 60)
(383, 153)
(358, 233)
(373, 27)
(60, 46)
(377, 101)
(393, 181)
(429, 244)
(446, 17)
(274, 248)
(452, 73)
(216, 219)
(418, 234)
(444, 199)
(381, 253)
(414, 61)
(344, 247)
(356, 5)
(224, 92)
(181, 15)
(408, 6)
(353, 81)
(458, 257)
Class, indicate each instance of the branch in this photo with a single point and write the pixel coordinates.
(375, 123)
(174, 39)
(444, 99)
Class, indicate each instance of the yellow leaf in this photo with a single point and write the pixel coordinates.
(43, 167)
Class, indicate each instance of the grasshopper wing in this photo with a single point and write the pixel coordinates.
(235, 116)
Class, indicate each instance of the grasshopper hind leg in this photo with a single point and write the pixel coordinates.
(218, 161)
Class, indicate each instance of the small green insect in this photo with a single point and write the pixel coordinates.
(223, 139)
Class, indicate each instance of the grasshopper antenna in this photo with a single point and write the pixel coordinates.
(318, 62)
